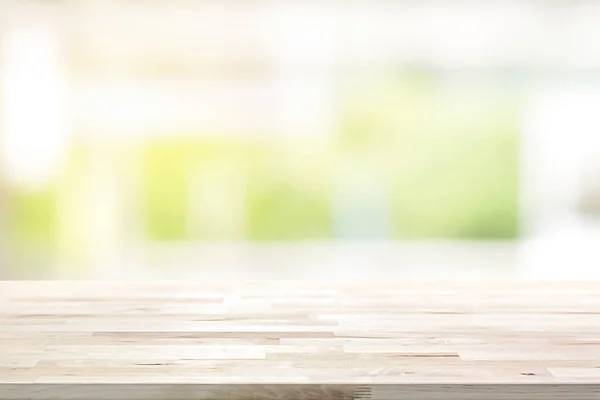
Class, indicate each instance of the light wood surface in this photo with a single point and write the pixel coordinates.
(299, 340)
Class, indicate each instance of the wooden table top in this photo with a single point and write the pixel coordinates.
(80, 340)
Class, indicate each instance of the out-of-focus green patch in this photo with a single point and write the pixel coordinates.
(33, 214)
(217, 183)
(457, 175)
(450, 156)
(52, 219)
(236, 189)
(468, 192)
(166, 168)
(289, 192)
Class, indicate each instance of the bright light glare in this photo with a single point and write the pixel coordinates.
(34, 91)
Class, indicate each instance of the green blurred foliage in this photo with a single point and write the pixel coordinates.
(34, 217)
(283, 196)
(166, 168)
(32, 214)
(449, 155)
(289, 192)
(469, 192)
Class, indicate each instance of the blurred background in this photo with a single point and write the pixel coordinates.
(180, 139)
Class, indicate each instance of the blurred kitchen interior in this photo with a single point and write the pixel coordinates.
(182, 139)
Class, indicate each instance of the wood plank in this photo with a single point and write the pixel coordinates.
(299, 340)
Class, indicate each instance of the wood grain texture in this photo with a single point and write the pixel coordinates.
(299, 340)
